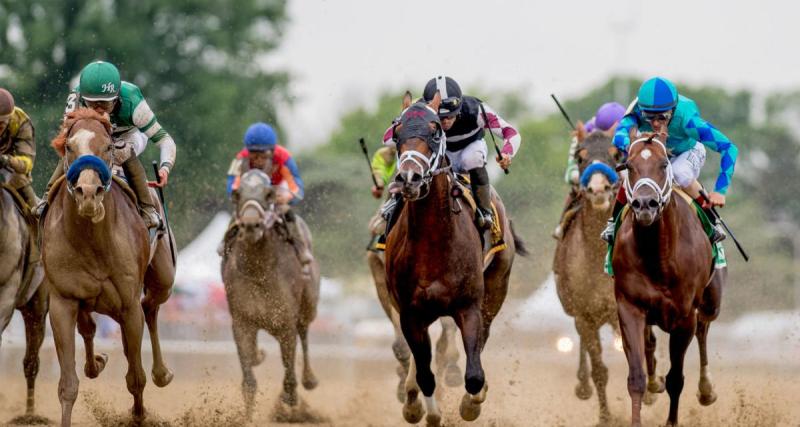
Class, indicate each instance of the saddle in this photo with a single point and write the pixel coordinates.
(34, 273)
(492, 239)
(717, 250)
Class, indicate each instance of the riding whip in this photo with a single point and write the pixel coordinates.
(494, 142)
(369, 163)
(727, 229)
(563, 112)
(160, 191)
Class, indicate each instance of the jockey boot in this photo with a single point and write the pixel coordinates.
(482, 192)
(42, 205)
(29, 196)
(137, 179)
(390, 212)
(717, 232)
(298, 241)
(608, 233)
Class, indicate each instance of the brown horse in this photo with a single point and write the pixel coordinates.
(435, 266)
(266, 287)
(585, 291)
(96, 256)
(665, 276)
(20, 281)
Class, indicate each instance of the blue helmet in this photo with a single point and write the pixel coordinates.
(657, 95)
(260, 137)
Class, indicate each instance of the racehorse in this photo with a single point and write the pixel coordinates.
(20, 286)
(98, 259)
(435, 265)
(665, 276)
(585, 291)
(266, 287)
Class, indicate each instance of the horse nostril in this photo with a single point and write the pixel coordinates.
(416, 178)
(636, 204)
(99, 189)
(400, 178)
(607, 187)
(590, 190)
(79, 190)
(652, 204)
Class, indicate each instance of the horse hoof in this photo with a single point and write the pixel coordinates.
(310, 381)
(469, 409)
(706, 399)
(433, 420)
(412, 409)
(100, 361)
(583, 391)
(162, 379)
(657, 385)
(452, 376)
(649, 398)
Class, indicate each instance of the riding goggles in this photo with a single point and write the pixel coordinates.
(450, 106)
(664, 116)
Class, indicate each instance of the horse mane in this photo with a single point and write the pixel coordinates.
(60, 141)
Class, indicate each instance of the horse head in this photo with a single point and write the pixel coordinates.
(255, 205)
(420, 147)
(596, 157)
(649, 183)
(85, 144)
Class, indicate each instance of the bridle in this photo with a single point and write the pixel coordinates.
(664, 192)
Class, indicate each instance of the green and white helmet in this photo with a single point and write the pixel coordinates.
(100, 81)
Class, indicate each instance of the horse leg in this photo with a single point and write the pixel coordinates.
(132, 325)
(470, 321)
(678, 343)
(87, 328)
(447, 353)
(583, 390)
(415, 331)
(151, 303)
(632, 323)
(244, 335)
(34, 313)
(599, 370)
(309, 379)
(403, 355)
(63, 317)
(288, 344)
(708, 312)
(655, 384)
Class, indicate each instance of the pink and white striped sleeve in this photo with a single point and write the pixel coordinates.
(388, 136)
(501, 129)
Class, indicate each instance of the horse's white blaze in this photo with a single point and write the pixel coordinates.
(646, 153)
(83, 139)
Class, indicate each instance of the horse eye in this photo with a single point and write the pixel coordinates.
(665, 164)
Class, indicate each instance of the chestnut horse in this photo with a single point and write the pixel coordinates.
(585, 291)
(665, 276)
(435, 265)
(97, 259)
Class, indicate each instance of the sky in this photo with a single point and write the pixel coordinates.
(343, 53)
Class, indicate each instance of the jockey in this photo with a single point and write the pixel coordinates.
(605, 120)
(384, 166)
(261, 151)
(464, 121)
(134, 124)
(660, 109)
(17, 148)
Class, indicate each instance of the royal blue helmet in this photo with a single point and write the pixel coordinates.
(657, 95)
(260, 137)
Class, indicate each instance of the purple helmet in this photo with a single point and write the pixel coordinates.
(608, 114)
(590, 126)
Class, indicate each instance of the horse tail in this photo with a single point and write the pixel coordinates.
(519, 244)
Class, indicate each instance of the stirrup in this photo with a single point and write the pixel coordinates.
(558, 232)
(717, 234)
(608, 233)
(484, 219)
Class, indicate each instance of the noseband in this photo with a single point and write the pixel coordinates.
(663, 192)
(268, 216)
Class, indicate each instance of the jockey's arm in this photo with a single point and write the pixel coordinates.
(24, 152)
(145, 120)
(501, 129)
(291, 176)
(622, 137)
(383, 165)
(699, 129)
(571, 175)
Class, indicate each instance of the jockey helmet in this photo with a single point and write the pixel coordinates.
(260, 137)
(608, 114)
(657, 95)
(100, 81)
(6, 103)
(450, 92)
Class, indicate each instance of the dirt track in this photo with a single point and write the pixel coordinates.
(527, 388)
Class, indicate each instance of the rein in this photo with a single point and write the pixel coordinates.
(664, 192)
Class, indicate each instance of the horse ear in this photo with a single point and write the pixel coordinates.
(436, 101)
(407, 100)
(580, 131)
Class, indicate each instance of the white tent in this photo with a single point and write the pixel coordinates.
(198, 268)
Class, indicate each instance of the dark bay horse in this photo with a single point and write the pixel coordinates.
(585, 291)
(665, 276)
(435, 265)
(20, 286)
(98, 259)
(266, 288)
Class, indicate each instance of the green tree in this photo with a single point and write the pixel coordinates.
(197, 63)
